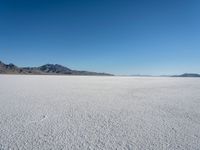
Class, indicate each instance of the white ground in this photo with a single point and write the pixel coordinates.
(73, 112)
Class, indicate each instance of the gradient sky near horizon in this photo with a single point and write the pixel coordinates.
(117, 36)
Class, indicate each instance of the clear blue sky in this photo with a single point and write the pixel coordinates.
(117, 36)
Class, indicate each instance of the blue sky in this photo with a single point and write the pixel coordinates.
(117, 36)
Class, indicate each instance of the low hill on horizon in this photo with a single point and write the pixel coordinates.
(48, 69)
(187, 75)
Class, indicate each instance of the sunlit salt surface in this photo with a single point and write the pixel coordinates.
(74, 112)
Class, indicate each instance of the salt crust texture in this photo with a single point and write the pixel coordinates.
(108, 113)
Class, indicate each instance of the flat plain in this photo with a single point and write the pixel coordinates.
(108, 113)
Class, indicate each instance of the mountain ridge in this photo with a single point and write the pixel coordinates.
(47, 69)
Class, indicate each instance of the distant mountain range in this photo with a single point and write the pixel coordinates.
(48, 69)
(55, 69)
(182, 75)
(187, 75)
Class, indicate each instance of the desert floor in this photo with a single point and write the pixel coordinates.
(74, 112)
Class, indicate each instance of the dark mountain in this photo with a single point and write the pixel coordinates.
(187, 75)
(48, 69)
(9, 68)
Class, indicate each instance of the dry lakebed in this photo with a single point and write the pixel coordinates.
(99, 113)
